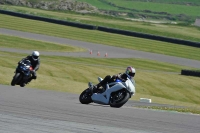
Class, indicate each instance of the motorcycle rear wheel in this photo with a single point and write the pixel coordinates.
(16, 79)
(85, 97)
(119, 98)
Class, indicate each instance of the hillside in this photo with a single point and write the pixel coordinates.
(69, 5)
(165, 10)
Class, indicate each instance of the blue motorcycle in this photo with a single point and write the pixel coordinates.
(22, 73)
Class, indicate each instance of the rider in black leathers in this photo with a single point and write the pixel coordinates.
(35, 62)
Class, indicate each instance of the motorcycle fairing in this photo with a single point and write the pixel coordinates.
(24, 69)
(130, 86)
(104, 98)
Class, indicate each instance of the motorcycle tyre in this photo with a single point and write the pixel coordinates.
(122, 102)
(16, 79)
(85, 101)
(22, 85)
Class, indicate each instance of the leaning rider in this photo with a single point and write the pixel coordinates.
(35, 62)
(129, 72)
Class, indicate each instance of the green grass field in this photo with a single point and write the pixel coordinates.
(152, 6)
(174, 31)
(159, 7)
(154, 80)
(155, 6)
(171, 1)
(99, 37)
(12, 42)
(159, 81)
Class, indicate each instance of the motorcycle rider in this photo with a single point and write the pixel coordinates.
(129, 72)
(35, 62)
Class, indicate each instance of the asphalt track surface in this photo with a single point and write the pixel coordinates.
(28, 110)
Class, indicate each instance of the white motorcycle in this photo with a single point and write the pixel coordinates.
(115, 94)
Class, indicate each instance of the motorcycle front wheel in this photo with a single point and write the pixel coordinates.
(16, 79)
(119, 98)
(85, 97)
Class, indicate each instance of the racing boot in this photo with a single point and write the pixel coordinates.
(92, 88)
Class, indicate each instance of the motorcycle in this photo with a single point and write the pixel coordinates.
(115, 94)
(22, 73)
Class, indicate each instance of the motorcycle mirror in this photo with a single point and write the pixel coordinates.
(90, 85)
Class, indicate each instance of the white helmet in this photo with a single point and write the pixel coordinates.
(130, 71)
(35, 55)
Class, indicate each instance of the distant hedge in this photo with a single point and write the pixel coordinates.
(190, 73)
(61, 22)
(149, 36)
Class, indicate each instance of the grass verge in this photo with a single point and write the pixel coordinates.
(22, 43)
(182, 110)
